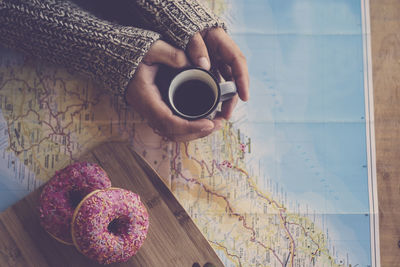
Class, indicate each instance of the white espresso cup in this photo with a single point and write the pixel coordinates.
(194, 93)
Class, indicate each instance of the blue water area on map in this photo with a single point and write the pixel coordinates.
(10, 192)
(11, 170)
(306, 116)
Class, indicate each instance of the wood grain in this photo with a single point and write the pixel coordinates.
(23, 243)
(385, 34)
(173, 238)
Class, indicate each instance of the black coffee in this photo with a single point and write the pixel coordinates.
(193, 98)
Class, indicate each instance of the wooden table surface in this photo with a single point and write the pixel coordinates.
(385, 34)
(385, 37)
(172, 240)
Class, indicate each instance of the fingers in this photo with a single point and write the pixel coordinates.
(223, 47)
(197, 51)
(162, 52)
(241, 75)
(228, 107)
(237, 67)
(193, 136)
(149, 102)
(177, 129)
(226, 71)
(145, 98)
(173, 127)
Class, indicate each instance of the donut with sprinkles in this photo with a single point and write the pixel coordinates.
(62, 194)
(110, 225)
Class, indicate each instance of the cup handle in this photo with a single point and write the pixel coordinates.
(228, 90)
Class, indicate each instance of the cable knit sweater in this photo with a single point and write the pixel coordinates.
(65, 33)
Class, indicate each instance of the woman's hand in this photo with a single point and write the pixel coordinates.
(216, 46)
(143, 94)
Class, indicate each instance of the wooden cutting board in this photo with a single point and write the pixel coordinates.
(172, 240)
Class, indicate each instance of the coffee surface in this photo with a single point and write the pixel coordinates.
(193, 98)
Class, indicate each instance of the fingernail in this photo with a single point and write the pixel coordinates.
(208, 128)
(204, 63)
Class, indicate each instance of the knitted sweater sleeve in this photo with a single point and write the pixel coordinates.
(178, 20)
(62, 32)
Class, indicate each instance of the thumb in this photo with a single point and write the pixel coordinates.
(197, 51)
(162, 52)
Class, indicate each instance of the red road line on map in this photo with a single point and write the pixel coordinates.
(292, 243)
(70, 92)
(273, 251)
(54, 131)
(10, 138)
(42, 100)
(138, 139)
(241, 217)
(17, 152)
(42, 97)
(281, 210)
(203, 163)
(14, 79)
(306, 234)
(227, 252)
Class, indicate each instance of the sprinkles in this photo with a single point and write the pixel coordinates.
(79, 207)
(110, 225)
(62, 194)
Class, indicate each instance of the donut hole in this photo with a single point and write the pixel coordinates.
(75, 196)
(119, 225)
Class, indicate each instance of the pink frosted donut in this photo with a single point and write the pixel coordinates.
(62, 194)
(110, 225)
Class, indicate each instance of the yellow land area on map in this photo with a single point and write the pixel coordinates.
(251, 228)
(53, 116)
